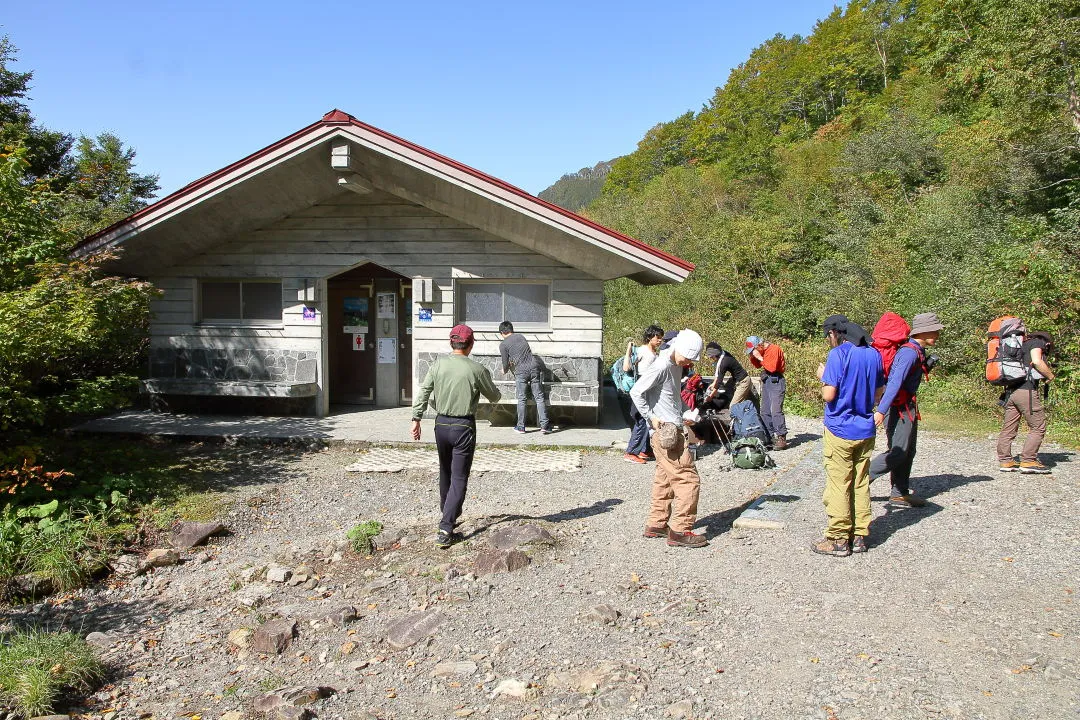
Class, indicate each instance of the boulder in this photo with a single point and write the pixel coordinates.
(518, 536)
(447, 669)
(603, 613)
(241, 637)
(340, 617)
(274, 637)
(278, 574)
(412, 628)
(291, 697)
(493, 561)
(186, 535)
(162, 557)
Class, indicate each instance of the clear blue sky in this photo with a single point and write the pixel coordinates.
(523, 91)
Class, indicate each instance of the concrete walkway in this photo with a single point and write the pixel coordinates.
(389, 425)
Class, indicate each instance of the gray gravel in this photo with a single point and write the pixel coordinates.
(963, 609)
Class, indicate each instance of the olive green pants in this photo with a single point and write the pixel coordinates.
(847, 486)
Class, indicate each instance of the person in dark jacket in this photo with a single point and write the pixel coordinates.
(906, 374)
(517, 356)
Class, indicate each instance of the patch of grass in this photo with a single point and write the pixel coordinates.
(271, 682)
(360, 535)
(195, 506)
(37, 667)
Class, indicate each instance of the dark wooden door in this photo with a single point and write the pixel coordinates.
(351, 342)
(405, 356)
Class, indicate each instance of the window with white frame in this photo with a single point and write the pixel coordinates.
(483, 304)
(240, 302)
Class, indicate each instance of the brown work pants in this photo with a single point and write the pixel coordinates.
(1028, 405)
(675, 487)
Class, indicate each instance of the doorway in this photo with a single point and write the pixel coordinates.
(370, 337)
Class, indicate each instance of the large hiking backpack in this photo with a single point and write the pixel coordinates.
(624, 381)
(749, 453)
(890, 334)
(1005, 361)
(746, 423)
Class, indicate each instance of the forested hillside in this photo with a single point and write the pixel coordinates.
(909, 156)
(574, 191)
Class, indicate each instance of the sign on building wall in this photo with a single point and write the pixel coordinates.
(387, 351)
(387, 306)
(358, 341)
(356, 315)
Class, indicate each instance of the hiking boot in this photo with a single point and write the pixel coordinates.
(655, 532)
(829, 546)
(520, 429)
(631, 458)
(780, 443)
(908, 501)
(549, 429)
(858, 545)
(445, 539)
(1033, 467)
(1009, 466)
(686, 539)
(646, 456)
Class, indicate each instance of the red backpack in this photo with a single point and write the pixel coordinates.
(890, 334)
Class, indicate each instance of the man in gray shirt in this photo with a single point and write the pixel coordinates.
(676, 483)
(517, 356)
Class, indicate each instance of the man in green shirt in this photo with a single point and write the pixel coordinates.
(457, 383)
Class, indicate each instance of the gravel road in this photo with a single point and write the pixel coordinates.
(963, 609)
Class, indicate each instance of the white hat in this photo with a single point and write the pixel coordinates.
(688, 344)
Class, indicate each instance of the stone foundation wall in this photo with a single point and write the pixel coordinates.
(556, 369)
(282, 366)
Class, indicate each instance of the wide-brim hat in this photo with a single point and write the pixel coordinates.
(925, 323)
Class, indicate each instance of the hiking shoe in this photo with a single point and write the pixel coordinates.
(646, 456)
(686, 539)
(858, 545)
(549, 429)
(1009, 466)
(655, 532)
(631, 458)
(1033, 467)
(908, 500)
(519, 429)
(829, 546)
(780, 443)
(445, 539)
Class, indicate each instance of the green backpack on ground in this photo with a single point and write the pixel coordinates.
(749, 453)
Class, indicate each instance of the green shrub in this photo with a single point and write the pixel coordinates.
(361, 535)
(36, 667)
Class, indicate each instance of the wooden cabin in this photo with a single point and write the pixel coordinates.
(326, 270)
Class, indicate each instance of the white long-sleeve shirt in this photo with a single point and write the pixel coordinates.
(656, 392)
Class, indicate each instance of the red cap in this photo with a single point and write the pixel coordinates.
(461, 333)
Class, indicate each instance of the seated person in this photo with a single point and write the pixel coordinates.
(736, 388)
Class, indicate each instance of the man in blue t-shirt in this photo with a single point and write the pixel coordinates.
(852, 378)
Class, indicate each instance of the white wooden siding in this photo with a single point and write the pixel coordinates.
(332, 237)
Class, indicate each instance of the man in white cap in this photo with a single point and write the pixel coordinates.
(676, 483)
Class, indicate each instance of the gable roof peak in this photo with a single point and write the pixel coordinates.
(336, 115)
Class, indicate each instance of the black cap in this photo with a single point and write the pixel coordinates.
(835, 322)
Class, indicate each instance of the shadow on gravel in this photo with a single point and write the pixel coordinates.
(1054, 458)
(597, 508)
(82, 617)
(803, 438)
(897, 518)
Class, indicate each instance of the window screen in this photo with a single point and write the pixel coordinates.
(483, 305)
(239, 301)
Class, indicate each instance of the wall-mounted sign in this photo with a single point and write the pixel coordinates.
(423, 315)
(309, 313)
(356, 315)
(387, 306)
(358, 342)
(387, 351)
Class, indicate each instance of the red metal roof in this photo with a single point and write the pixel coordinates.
(338, 117)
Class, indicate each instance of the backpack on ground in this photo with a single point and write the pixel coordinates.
(1006, 363)
(623, 380)
(746, 423)
(749, 453)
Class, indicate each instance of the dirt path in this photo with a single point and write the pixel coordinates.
(964, 609)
